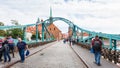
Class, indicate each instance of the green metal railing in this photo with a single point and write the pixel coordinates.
(112, 37)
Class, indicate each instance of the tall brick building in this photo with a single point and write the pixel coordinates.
(55, 31)
(51, 28)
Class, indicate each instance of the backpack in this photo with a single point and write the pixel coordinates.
(1, 48)
(6, 47)
(97, 46)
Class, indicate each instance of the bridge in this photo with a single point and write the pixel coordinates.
(49, 53)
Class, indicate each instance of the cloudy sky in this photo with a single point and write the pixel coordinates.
(95, 15)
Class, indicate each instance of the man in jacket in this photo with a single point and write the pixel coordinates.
(97, 46)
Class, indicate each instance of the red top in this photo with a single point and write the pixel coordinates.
(96, 40)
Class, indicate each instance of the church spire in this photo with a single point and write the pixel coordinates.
(50, 11)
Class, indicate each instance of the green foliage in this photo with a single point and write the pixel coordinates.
(15, 22)
(2, 33)
(17, 32)
(34, 36)
(1, 24)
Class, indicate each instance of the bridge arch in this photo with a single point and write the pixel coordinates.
(53, 19)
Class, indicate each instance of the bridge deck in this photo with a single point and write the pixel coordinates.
(56, 56)
(59, 55)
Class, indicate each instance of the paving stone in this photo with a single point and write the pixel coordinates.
(58, 55)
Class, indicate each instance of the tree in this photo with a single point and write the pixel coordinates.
(2, 33)
(16, 32)
(15, 22)
(34, 36)
(1, 24)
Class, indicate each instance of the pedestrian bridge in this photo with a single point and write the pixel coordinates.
(59, 55)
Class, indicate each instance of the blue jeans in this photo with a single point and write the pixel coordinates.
(6, 54)
(97, 56)
(11, 48)
(22, 56)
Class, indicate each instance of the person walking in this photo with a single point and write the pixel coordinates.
(1, 49)
(22, 46)
(97, 47)
(11, 45)
(70, 41)
(6, 51)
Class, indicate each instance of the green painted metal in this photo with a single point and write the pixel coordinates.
(43, 31)
(11, 27)
(38, 21)
(90, 39)
(47, 21)
(51, 19)
(110, 41)
(74, 32)
(24, 37)
(115, 44)
(50, 12)
(48, 33)
(77, 35)
(81, 35)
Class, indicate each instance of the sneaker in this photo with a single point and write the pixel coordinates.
(9, 60)
(99, 64)
(22, 61)
(95, 62)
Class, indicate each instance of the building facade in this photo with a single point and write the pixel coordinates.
(51, 28)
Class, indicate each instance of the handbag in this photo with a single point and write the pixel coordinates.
(27, 53)
(92, 50)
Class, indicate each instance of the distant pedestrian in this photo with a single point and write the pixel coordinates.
(6, 51)
(70, 40)
(73, 41)
(11, 45)
(97, 46)
(22, 46)
(64, 40)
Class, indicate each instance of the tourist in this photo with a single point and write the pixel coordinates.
(22, 46)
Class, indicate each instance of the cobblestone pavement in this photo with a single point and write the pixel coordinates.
(58, 55)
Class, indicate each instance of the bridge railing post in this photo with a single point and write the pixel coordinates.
(37, 30)
(81, 35)
(115, 44)
(43, 31)
(110, 41)
(24, 34)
